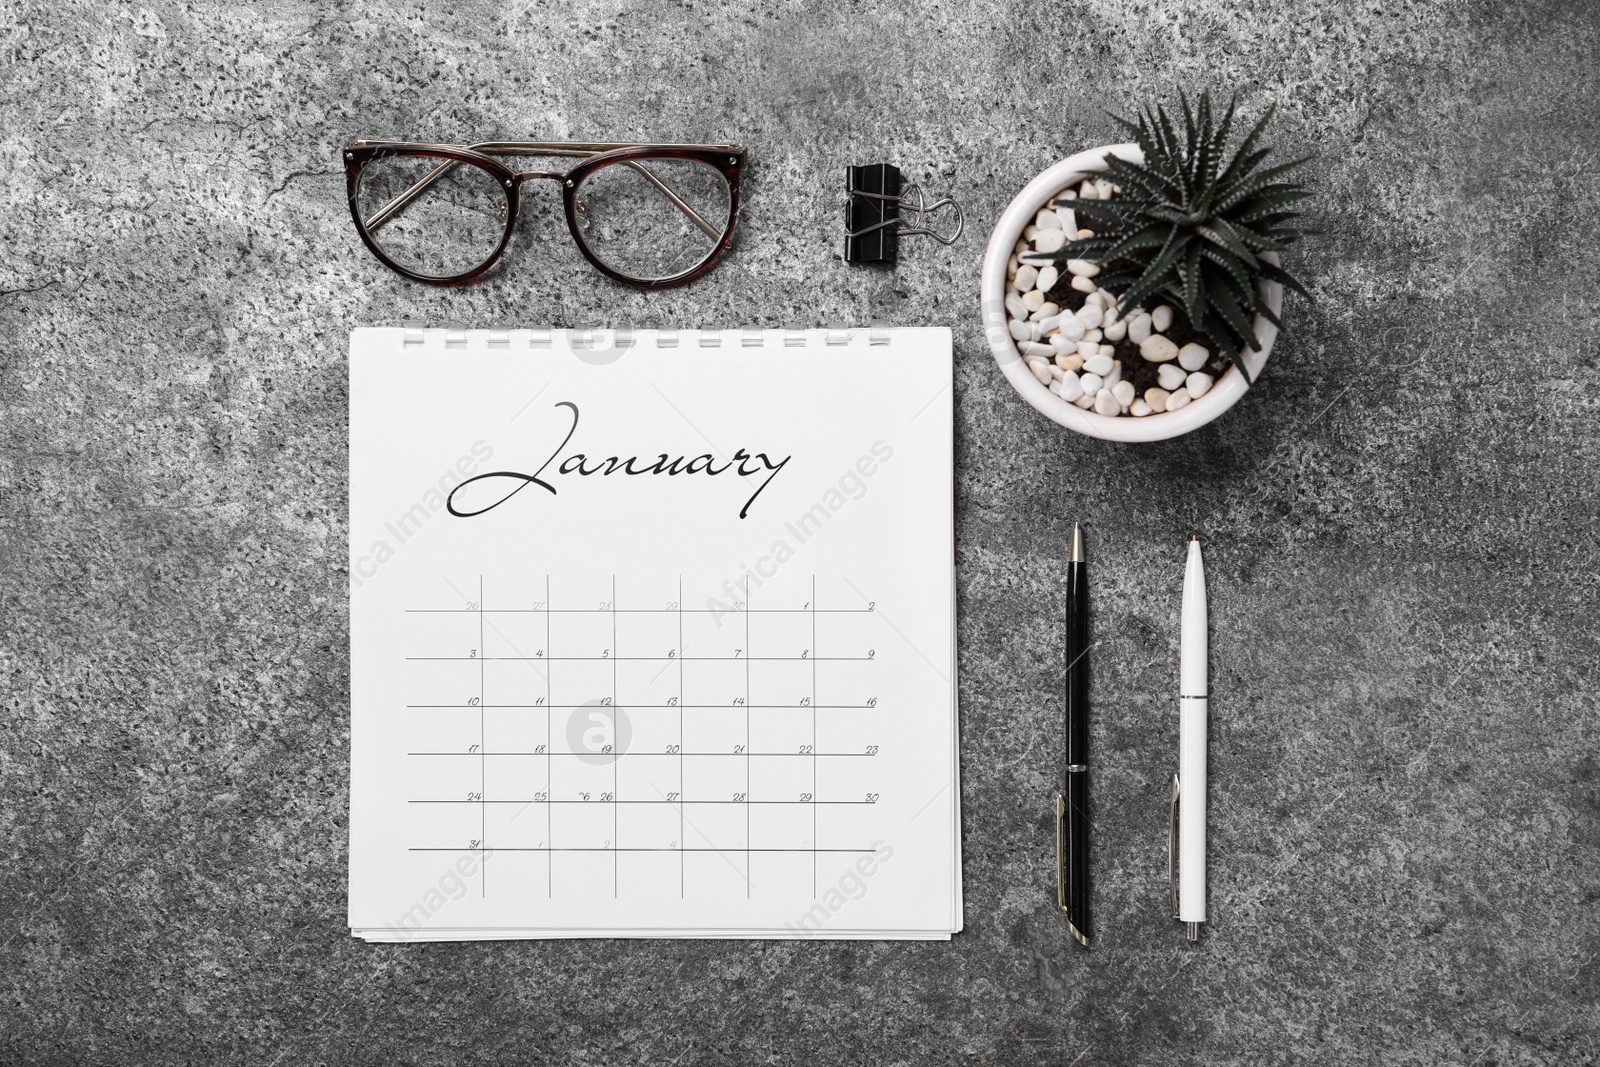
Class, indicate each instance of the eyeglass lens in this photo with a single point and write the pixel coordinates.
(655, 217)
(444, 229)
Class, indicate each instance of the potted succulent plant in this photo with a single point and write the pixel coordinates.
(1139, 285)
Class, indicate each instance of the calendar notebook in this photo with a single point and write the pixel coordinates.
(652, 635)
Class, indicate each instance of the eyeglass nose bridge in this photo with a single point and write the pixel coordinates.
(555, 176)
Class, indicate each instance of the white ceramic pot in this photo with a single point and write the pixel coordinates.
(1035, 195)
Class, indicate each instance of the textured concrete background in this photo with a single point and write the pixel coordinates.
(1400, 525)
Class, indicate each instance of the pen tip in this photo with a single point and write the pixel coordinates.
(1077, 554)
(1083, 938)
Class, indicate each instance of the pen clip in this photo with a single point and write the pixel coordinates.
(1061, 853)
(1172, 847)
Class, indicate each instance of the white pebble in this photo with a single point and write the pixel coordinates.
(1066, 194)
(1015, 307)
(1108, 350)
(1033, 300)
(1069, 360)
(1091, 335)
(1192, 356)
(1088, 191)
(1035, 332)
(1047, 278)
(1041, 370)
(1198, 384)
(1047, 310)
(1123, 391)
(1138, 409)
(1178, 399)
(1071, 388)
(1085, 234)
(1012, 266)
(1047, 220)
(1049, 240)
(1169, 377)
(1082, 284)
(1029, 232)
(1161, 318)
(1158, 348)
(1072, 328)
(1098, 364)
(1156, 398)
(1092, 383)
(1112, 314)
(1021, 330)
(1056, 372)
(1105, 403)
(1088, 349)
(1116, 374)
(1026, 277)
(1034, 348)
(1090, 315)
(1069, 219)
(1139, 329)
(1083, 268)
(1085, 401)
(1116, 331)
(1103, 187)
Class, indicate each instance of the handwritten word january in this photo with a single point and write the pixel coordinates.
(743, 465)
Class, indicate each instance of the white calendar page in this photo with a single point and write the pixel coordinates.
(653, 639)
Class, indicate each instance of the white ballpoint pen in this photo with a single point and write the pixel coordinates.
(1186, 856)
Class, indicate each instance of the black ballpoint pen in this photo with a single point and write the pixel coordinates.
(1072, 818)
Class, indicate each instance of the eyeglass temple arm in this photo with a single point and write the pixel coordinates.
(388, 211)
(694, 216)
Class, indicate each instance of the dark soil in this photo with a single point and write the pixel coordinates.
(1135, 368)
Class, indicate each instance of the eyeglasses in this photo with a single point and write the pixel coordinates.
(650, 215)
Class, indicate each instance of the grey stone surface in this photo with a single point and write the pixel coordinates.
(1400, 523)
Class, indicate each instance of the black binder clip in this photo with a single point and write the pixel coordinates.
(878, 213)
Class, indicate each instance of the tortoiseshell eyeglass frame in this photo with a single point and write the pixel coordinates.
(727, 159)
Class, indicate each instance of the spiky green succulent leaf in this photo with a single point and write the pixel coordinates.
(1193, 221)
(1153, 236)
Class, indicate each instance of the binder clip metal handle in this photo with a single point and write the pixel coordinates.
(879, 212)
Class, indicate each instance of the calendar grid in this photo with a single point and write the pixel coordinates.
(549, 750)
(747, 698)
(641, 659)
(643, 755)
(683, 876)
(824, 707)
(616, 796)
(483, 760)
(624, 611)
(812, 605)
(789, 657)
